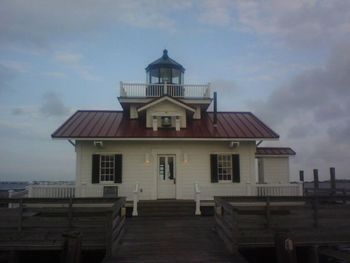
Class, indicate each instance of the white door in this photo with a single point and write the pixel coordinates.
(166, 177)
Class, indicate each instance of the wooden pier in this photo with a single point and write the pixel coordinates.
(70, 226)
(244, 222)
(39, 224)
(172, 239)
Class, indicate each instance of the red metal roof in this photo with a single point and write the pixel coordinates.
(274, 151)
(112, 124)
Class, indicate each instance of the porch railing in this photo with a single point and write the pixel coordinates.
(139, 90)
(276, 190)
(51, 191)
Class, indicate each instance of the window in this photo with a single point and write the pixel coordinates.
(107, 167)
(224, 167)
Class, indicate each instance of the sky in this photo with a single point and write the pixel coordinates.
(286, 61)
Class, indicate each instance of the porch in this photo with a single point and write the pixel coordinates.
(69, 190)
(143, 90)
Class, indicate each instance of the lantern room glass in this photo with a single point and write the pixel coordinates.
(162, 75)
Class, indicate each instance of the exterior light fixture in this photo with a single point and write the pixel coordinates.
(98, 144)
(185, 158)
(147, 159)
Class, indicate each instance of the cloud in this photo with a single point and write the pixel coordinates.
(53, 105)
(304, 23)
(312, 110)
(215, 12)
(6, 75)
(39, 23)
(74, 61)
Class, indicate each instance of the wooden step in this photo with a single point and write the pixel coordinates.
(156, 208)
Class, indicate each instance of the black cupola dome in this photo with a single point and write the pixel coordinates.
(164, 70)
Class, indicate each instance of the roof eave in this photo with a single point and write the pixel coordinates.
(158, 139)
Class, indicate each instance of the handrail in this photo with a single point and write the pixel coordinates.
(197, 198)
(295, 189)
(268, 213)
(16, 194)
(114, 215)
(159, 89)
(136, 200)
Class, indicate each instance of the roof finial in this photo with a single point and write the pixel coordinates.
(165, 53)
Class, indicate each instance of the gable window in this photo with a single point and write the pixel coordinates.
(106, 168)
(224, 167)
(107, 165)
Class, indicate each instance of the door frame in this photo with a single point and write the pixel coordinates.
(158, 155)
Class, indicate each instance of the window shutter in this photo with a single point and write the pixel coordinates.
(236, 176)
(118, 168)
(214, 168)
(95, 178)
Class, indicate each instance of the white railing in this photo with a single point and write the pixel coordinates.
(277, 189)
(51, 191)
(136, 200)
(197, 199)
(158, 90)
(16, 194)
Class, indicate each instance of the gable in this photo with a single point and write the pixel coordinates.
(166, 99)
(165, 108)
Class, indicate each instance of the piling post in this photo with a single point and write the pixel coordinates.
(71, 247)
(332, 178)
(285, 248)
(316, 182)
(301, 179)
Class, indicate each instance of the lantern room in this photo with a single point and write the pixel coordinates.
(165, 70)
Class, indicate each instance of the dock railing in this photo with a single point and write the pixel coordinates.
(295, 189)
(141, 90)
(245, 221)
(100, 221)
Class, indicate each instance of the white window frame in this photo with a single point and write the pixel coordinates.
(224, 162)
(108, 171)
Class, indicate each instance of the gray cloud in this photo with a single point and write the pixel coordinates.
(53, 105)
(39, 22)
(6, 75)
(312, 110)
(298, 23)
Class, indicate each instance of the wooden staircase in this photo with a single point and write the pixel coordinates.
(166, 208)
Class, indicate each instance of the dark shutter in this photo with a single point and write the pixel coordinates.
(214, 168)
(118, 168)
(236, 176)
(95, 178)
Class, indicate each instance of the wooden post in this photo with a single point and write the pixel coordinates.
(71, 247)
(333, 183)
(312, 255)
(301, 176)
(285, 248)
(316, 183)
(267, 212)
(20, 215)
(109, 235)
(235, 231)
(70, 213)
(315, 209)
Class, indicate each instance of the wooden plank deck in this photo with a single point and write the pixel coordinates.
(172, 239)
(40, 224)
(310, 221)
